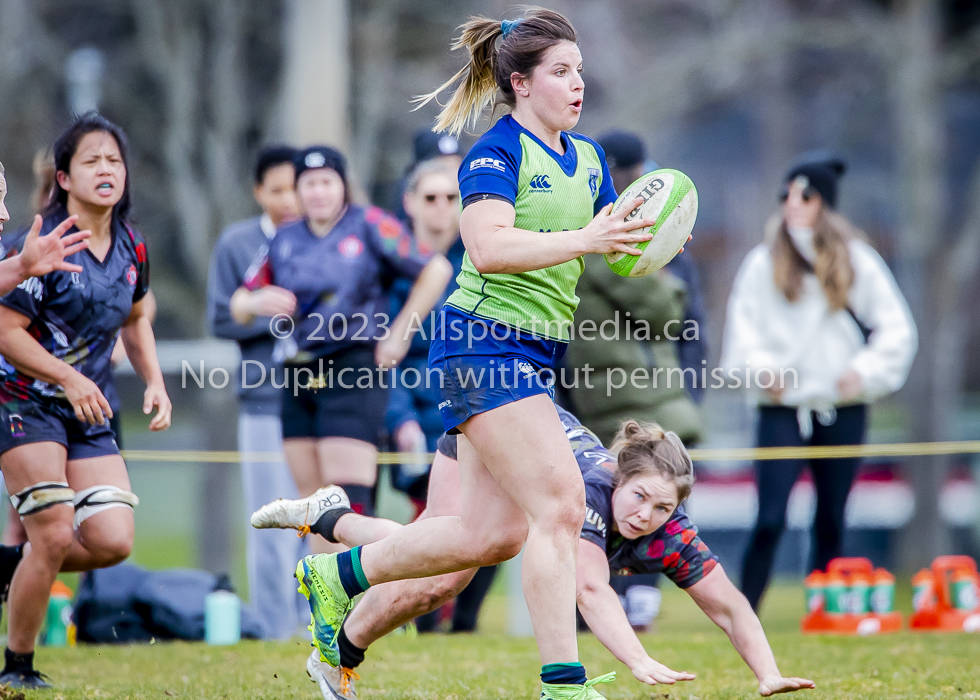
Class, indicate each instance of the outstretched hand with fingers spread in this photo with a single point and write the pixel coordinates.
(43, 254)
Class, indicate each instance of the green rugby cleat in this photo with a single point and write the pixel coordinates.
(319, 581)
(555, 691)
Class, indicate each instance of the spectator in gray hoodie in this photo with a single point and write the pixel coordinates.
(271, 554)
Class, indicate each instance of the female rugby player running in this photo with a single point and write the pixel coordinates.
(635, 525)
(536, 198)
(57, 451)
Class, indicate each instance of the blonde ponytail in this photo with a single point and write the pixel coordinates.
(489, 68)
(479, 86)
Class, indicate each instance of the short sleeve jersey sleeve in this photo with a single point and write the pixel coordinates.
(490, 169)
(676, 551)
(396, 247)
(598, 506)
(142, 286)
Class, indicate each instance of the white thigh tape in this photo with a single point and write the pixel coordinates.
(42, 495)
(96, 499)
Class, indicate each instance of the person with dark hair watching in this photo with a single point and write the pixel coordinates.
(431, 200)
(336, 267)
(270, 557)
(58, 454)
(427, 145)
(817, 319)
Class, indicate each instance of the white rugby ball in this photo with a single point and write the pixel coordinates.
(670, 198)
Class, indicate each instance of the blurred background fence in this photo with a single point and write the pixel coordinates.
(726, 90)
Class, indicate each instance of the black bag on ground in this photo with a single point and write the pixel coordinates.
(125, 603)
(105, 608)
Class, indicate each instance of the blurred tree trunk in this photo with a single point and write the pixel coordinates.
(195, 53)
(375, 37)
(931, 395)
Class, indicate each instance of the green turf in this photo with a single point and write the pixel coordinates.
(492, 665)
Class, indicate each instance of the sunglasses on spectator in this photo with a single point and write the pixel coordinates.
(431, 198)
(808, 194)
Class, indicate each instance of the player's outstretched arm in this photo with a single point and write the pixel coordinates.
(728, 608)
(141, 348)
(495, 246)
(605, 616)
(43, 254)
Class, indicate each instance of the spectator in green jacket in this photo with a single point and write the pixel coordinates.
(669, 301)
(652, 376)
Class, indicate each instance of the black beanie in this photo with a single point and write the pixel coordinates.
(623, 149)
(321, 157)
(822, 172)
(429, 144)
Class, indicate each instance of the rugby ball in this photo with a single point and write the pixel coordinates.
(669, 197)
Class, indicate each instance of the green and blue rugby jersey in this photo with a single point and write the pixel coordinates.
(550, 192)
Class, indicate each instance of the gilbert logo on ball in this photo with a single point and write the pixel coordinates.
(669, 197)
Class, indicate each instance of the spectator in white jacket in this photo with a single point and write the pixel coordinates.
(814, 314)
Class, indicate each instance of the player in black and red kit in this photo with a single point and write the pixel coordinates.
(58, 454)
(635, 523)
(333, 270)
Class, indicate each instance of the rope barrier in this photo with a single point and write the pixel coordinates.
(700, 454)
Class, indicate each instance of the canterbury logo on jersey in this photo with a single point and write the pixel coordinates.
(488, 163)
(540, 182)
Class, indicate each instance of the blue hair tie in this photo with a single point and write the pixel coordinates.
(507, 26)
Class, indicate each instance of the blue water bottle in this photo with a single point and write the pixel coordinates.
(222, 614)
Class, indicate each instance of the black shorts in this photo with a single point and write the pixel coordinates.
(24, 421)
(346, 400)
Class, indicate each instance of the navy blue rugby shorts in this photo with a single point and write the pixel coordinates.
(25, 421)
(485, 364)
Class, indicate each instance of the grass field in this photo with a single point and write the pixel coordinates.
(492, 665)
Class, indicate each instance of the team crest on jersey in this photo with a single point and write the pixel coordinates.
(131, 275)
(350, 247)
(594, 180)
(540, 183)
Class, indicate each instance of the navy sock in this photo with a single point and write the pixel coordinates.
(563, 674)
(361, 498)
(351, 575)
